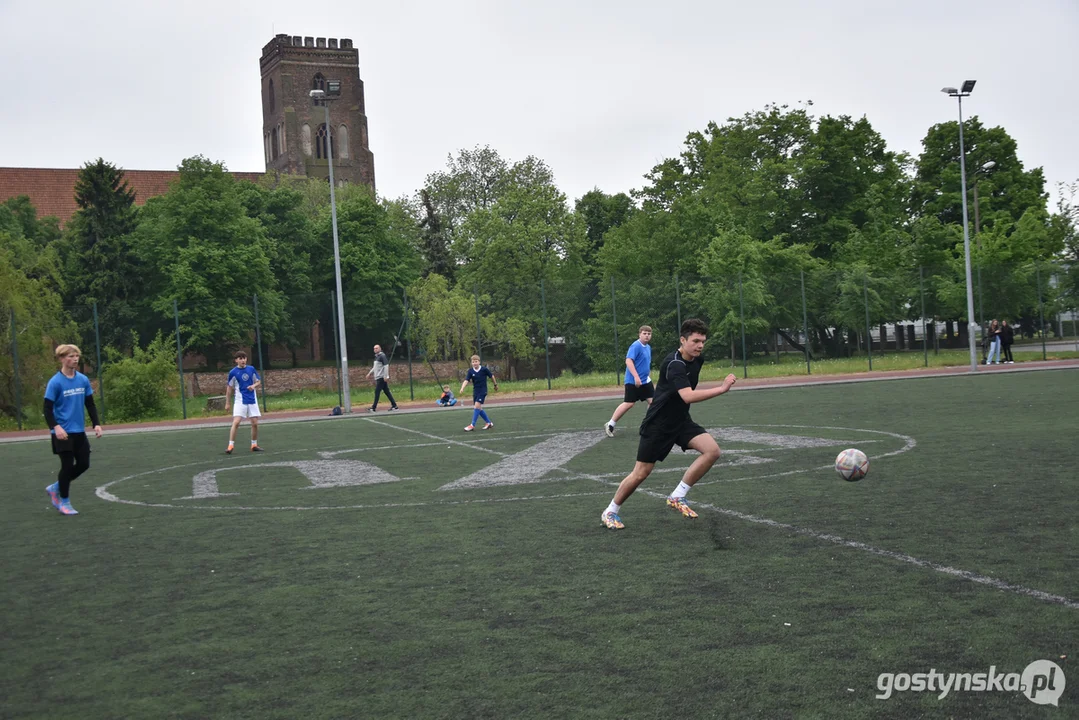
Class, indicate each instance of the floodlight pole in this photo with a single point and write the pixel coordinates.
(346, 407)
(959, 95)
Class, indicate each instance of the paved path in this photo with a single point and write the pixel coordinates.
(557, 396)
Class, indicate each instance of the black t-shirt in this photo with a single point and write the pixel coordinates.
(668, 410)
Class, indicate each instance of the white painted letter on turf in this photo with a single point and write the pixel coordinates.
(529, 466)
(320, 473)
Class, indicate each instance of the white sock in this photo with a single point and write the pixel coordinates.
(681, 490)
(254, 442)
(613, 508)
(611, 422)
(231, 443)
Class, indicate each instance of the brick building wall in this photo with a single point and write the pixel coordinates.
(52, 190)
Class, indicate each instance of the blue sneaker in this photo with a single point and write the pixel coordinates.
(66, 509)
(54, 494)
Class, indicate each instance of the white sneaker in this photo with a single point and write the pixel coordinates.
(609, 429)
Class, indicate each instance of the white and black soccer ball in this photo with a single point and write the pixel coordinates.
(852, 465)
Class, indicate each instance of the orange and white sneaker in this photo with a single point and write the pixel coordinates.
(470, 428)
(680, 505)
(229, 449)
(611, 521)
(256, 448)
(489, 426)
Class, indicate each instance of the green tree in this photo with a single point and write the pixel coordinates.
(29, 290)
(100, 265)
(201, 248)
(1005, 191)
(378, 260)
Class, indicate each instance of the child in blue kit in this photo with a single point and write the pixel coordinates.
(477, 375)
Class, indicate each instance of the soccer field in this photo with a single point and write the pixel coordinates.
(396, 567)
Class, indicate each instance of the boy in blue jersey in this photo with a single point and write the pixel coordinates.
(243, 381)
(638, 383)
(667, 423)
(477, 375)
(68, 397)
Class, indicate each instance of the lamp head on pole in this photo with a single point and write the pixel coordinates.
(967, 89)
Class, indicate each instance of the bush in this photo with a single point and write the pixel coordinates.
(139, 386)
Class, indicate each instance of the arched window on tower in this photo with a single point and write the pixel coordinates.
(273, 100)
(275, 144)
(305, 140)
(321, 150)
(319, 82)
(342, 143)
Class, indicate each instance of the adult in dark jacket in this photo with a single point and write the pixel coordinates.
(1007, 337)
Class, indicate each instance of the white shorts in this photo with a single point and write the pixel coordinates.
(245, 411)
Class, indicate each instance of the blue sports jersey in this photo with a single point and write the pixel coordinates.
(478, 378)
(242, 379)
(68, 397)
(641, 355)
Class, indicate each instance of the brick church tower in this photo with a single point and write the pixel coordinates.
(295, 137)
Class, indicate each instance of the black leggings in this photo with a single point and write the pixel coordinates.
(381, 386)
(73, 463)
(1007, 352)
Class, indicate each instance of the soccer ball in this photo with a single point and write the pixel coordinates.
(852, 465)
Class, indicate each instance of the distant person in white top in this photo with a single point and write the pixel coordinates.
(638, 380)
(381, 371)
(243, 381)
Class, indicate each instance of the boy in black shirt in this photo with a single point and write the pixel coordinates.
(667, 423)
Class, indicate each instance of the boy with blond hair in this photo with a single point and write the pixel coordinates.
(477, 375)
(68, 397)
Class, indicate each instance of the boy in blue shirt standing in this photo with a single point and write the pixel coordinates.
(245, 380)
(477, 375)
(638, 384)
(68, 397)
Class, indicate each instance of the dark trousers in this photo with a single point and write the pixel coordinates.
(1007, 352)
(381, 386)
(73, 462)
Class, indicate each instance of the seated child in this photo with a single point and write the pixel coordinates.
(447, 399)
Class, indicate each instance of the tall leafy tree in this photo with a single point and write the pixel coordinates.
(29, 291)
(378, 261)
(200, 247)
(100, 263)
(1005, 191)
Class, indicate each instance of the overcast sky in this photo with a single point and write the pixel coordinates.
(600, 90)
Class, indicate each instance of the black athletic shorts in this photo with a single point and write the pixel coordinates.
(76, 443)
(636, 394)
(655, 444)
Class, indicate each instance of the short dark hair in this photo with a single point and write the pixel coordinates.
(239, 354)
(691, 326)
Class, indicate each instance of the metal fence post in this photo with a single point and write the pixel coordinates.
(1041, 309)
(258, 344)
(18, 382)
(614, 316)
(805, 324)
(479, 332)
(678, 301)
(742, 317)
(100, 382)
(408, 344)
(868, 337)
(180, 358)
(546, 335)
(925, 336)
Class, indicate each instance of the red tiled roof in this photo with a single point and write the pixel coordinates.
(52, 191)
